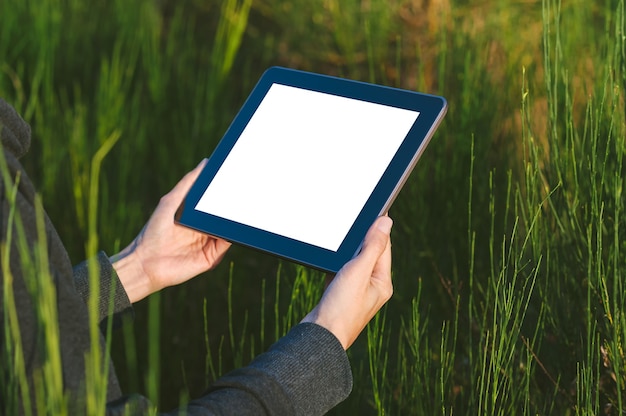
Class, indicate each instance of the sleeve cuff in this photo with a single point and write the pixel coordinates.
(114, 302)
(309, 367)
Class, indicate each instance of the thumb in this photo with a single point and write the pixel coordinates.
(183, 186)
(374, 245)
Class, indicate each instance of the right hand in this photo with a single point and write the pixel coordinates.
(359, 289)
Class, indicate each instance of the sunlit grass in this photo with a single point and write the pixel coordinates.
(508, 253)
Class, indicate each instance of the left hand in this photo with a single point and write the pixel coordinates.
(165, 253)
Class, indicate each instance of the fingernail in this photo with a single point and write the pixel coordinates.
(384, 224)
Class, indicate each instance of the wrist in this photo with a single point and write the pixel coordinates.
(128, 267)
(333, 326)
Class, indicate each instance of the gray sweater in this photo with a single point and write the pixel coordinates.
(305, 373)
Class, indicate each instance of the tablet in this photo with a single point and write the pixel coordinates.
(308, 164)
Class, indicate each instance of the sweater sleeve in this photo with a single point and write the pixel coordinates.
(307, 372)
(113, 299)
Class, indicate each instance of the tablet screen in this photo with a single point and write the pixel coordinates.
(306, 163)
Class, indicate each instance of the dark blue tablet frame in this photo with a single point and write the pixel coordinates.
(431, 108)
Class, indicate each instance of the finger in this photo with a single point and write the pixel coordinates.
(188, 180)
(381, 275)
(216, 252)
(384, 260)
(222, 246)
(182, 187)
(374, 245)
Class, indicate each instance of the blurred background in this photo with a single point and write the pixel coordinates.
(508, 248)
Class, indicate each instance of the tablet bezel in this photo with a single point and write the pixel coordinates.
(431, 110)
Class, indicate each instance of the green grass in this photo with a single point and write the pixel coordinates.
(508, 247)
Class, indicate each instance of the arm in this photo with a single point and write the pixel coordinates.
(307, 371)
(287, 378)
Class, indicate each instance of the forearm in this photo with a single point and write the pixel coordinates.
(305, 373)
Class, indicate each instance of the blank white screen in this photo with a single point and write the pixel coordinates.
(306, 163)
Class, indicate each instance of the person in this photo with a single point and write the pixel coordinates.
(306, 372)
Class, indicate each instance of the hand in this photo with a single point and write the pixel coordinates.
(359, 289)
(165, 253)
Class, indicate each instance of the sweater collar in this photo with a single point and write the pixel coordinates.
(14, 132)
